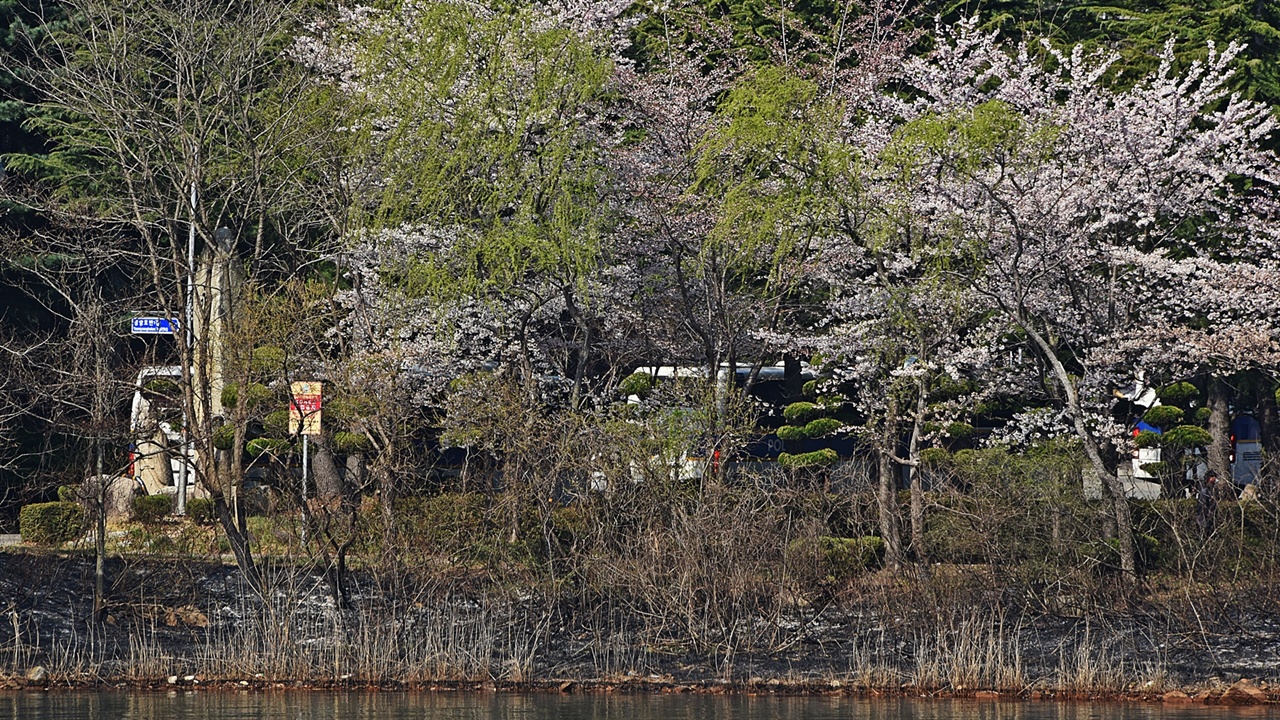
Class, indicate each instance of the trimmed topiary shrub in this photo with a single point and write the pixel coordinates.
(840, 558)
(1147, 439)
(1201, 416)
(276, 424)
(825, 457)
(51, 523)
(638, 383)
(820, 427)
(1156, 469)
(449, 522)
(224, 436)
(257, 394)
(258, 447)
(151, 509)
(789, 433)
(68, 493)
(1179, 393)
(1187, 436)
(810, 388)
(161, 386)
(934, 457)
(1164, 416)
(345, 443)
(202, 511)
(268, 361)
(799, 413)
(851, 555)
(960, 431)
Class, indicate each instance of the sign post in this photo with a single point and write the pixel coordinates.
(304, 419)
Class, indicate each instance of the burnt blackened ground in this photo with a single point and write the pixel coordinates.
(185, 612)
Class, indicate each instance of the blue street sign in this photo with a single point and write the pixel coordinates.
(153, 326)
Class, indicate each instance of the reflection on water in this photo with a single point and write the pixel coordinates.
(468, 706)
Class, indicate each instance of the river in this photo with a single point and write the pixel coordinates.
(216, 705)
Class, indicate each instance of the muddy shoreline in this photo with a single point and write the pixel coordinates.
(1230, 695)
(183, 623)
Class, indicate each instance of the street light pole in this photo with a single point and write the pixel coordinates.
(190, 370)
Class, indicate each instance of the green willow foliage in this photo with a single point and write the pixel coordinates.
(480, 121)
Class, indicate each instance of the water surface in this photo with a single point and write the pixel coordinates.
(215, 705)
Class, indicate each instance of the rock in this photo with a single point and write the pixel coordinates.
(1176, 696)
(172, 679)
(566, 686)
(37, 675)
(119, 495)
(1244, 693)
(187, 615)
(188, 678)
(987, 694)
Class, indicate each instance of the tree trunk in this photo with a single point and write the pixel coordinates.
(1268, 418)
(1106, 476)
(887, 495)
(917, 484)
(324, 470)
(238, 539)
(1219, 450)
(355, 470)
(101, 488)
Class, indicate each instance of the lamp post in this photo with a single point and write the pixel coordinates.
(189, 371)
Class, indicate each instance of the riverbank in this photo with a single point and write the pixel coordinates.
(1243, 692)
(179, 622)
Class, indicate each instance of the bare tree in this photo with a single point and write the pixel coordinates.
(170, 122)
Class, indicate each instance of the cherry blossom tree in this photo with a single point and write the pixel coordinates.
(1067, 198)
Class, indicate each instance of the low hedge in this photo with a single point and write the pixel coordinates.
(51, 523)
(151, 509)
(845, 557)
(202, 511)
(840, 558)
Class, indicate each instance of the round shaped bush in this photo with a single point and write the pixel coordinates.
(345, 443)
(224, 436)
(268, 361)
(934, 457)
(151, 509)
(162, 386)
(843, 558)
(636, 384)
(788, 433)
(1156, 469)
(820, 427)
(255, 395)
(801, 412)
(51, 523)
(818, 458)
(1179, 393)
(202, 511)
(268, 446)
(1147, 439)
(1164, 416)
(1201, 416)
(1187, 436)
(960, 431)
(276, 424)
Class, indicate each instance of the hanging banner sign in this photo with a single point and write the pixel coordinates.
(304, 408)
